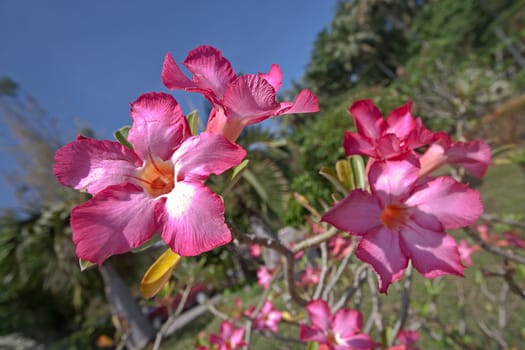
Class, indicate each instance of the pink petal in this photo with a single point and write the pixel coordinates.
(381, 249)
(205, 154)
(361, 342)
(392, 181)
(226, 329)
(388, 146)
(357, 213)
(432, 253)
(172, 77)
(308, 333)
(215, 339)
(347, 323)
(193, 220)
(305, 102)
(400, 121)
(251, 99)
(445, 200)
(236, 337)
(158, 126)
(319, 314)
(94, 165)
(113, 222)
(368, 119)
(274, 77)
(355, 143)
(475, 156)
(211, 71)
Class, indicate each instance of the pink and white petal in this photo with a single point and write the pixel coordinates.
(159, 126)
(320, 314)
(192, 220)
(251, 99)
(361, 341)
(211, 71)
(113, 222)
(368, 119)
(432, 253)
(444, 199)
(355, 143)
(357, 213)
(226, 329)
(205, 154)
(236, 337)
(347, 323)
(400, 121)
(93, 165)
(305, 102)
(475, 156)
(172, 76)
(381, 249)
(274, 77)
(393, 180)
(308, 333)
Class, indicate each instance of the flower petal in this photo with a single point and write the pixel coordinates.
(250, 99)
(393, 180)
(357, 213)
(205, 154)
(381, 249)
(319, 314)
(211, 71)
(475, 156)
(113, 222)
(158, 126)
(94, 165)
(400, 121)
(367, 118)
(347, 323)
(432, 253)
(355, 143)
(172, 76)
(308, 333)
(361, 342)
(451, 203)
(274, 77)
(193, 220)
(305, 102)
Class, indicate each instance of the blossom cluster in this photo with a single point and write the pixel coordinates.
(155, 183)
(406, 212)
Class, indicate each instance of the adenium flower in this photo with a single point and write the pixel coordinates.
(310, 276)
(267, 318)
(157, 186)
(237, 101)
(403, 219)
(264, 277)
(230, 337)
(340, 331)
(384, 139)
(465, 251)
(406, 340)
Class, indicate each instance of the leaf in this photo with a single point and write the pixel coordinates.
(236, 174)
(158, 274)
(344, 174)
(193, 121)
(312, 346)
(84, 264)
(358, 170)
(331, 176)
(121, 135)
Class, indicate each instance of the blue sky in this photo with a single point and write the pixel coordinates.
(85, 61)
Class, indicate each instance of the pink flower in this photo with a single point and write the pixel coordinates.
(403, 219)
(264, 277)
(384, 139)
(157, 186)
(340, 246)
(465, 251)
(238, 101)
(255, 250)
(407, 339)
(475, 156)
(230, 338)
(340, 331)
(267, 318)
(514, 240)
(310, 276)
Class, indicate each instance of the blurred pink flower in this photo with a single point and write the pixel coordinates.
(406, 340)
(339, 331)
(340, 246)
(237, 101)
(405, 219)
(157, 186)
(264, 277)
(255, 250)
(465, 251)
(309, 276)
(514, 239)
(230, 337)
(267, 318)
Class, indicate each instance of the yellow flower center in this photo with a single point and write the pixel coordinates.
(394, 215)
(157, 177)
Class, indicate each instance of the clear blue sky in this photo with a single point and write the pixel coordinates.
(85, 61)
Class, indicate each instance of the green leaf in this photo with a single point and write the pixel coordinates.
(193, 120)
(236, 174)
(358, 170)
(312, 346)
(84, 264)
(121, 135)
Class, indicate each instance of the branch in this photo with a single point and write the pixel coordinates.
(493, 249)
